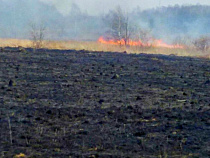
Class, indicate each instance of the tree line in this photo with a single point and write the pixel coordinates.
(174, 24)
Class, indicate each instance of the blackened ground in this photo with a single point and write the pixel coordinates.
(103, 104)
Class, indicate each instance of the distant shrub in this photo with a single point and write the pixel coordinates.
(37, 34)
(202, 43)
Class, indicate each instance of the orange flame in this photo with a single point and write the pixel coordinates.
(155, 43)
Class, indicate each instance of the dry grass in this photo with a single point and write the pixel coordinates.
(15, 43)
(96, 46)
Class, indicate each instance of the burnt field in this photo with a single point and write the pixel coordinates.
(102, 104)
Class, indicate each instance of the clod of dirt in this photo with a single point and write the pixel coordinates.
(2, 49)
(129, 107)
(110, 112)
(83, 132)
(138, 98)
(29, 116)
(49, 112)
(185, 94)
(115, 76)
(86, 122)
(38, 119)
(207, 82)
(179, 127)
(139, 134)
(11, 83)
(94, 79)
(101, 101)
(21, 49)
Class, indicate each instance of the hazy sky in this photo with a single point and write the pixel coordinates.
(102, 6)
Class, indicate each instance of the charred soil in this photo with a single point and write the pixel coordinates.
(102, 104)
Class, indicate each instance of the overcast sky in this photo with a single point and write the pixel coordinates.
(101, 6)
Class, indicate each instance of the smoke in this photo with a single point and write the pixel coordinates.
(63, 6)
(67, 19)
(95, 7)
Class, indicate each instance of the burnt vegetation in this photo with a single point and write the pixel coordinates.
(102, 104)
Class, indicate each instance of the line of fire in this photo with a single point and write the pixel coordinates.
(151, 43)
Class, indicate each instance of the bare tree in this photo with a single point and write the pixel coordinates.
(118, 23)
(37, 34)
(145, 36)
(183, 40)
(202, 43)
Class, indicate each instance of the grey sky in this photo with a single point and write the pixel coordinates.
(102, 6)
